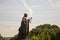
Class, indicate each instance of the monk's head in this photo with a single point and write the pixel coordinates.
(25, 15)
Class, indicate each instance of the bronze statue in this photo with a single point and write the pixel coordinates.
(24, 28)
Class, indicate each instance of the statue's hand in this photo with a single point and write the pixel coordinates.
(31, 18)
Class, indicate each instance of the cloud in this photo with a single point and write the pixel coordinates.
(13, 13)
(55, 3)
(9, 28)
(38, 2)
(9, 2)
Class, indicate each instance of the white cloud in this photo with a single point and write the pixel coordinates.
(9, 28)
(55, 3)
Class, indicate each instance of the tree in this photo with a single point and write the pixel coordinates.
(57, 36)
(1, 38)
(13, 38)
(45, 32)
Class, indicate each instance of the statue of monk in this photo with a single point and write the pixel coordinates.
(24, 28)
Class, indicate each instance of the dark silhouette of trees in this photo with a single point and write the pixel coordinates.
(14, 38)
(1, 38)
(44, 32)
(57, 35)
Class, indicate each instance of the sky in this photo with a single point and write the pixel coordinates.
(11, 13)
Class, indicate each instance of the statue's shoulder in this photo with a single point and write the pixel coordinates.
(24, 18)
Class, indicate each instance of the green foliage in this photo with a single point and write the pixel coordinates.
(13, 38)
(34, 38)
(57, 36)
(1, 38)
(44, 32)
